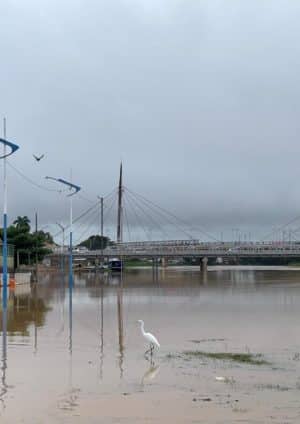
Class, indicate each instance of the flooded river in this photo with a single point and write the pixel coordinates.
(79, 358)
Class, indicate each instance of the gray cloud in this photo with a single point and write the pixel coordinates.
(199, 99)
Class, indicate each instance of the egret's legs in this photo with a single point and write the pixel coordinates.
(150, 350)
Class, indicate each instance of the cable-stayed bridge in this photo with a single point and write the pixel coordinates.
(188, 248)
(135, 209)
(126, 216)
(162, 251)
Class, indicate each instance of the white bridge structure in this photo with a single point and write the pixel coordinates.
(164, 250)
(195, 248)
(160, 220)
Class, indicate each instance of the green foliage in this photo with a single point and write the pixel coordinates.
(22, 223)
(237, 357)
(96, 242)
(29, 246)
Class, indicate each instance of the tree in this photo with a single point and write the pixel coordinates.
(22, 223)
(96, 242)
(28, 246)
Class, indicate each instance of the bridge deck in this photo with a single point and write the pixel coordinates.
(194, 249)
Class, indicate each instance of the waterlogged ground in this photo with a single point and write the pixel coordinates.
(230, 348)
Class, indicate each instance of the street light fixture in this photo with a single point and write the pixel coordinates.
(73, 190)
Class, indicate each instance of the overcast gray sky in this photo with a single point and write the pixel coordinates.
(200, 100)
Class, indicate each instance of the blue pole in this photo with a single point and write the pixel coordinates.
(71, 263)
(4, 260)
(70, 319)
(71, 246)
(4, 247)
(13, 147)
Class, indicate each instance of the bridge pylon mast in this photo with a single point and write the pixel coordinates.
(120, 208)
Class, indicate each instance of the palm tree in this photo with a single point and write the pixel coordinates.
(22, 223)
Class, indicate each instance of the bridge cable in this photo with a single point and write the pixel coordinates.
(78, 225)
(89, 225)
(82, 215)
(280, 228)
(150, 203)
(156, 224)
(86, 212)
(127, 220)
(137, 217)
(168, 219)
(109, 213)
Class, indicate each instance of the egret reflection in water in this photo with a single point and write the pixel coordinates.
(150, 373)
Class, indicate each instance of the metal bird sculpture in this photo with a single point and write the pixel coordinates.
(38, 158)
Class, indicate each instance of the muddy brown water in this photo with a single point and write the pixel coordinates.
(83, 361)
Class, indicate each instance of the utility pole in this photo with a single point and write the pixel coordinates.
(101, 228)
(36, 247)
(120, 209)
(63, 243)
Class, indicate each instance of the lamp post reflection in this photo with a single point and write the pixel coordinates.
(101, 332)
(120, 326)
(117, 279)
(34, 292)
(70, 320)
(3, 390)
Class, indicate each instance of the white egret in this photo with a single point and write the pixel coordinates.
(149, 337)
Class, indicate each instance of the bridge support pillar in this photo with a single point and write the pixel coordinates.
(203, 264)
(154, 262)
(164, 262)
(155, 269)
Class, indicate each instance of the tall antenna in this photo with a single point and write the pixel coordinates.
(120, 208)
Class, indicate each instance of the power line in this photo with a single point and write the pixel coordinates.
(30, 181)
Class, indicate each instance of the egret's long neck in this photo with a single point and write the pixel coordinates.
(142, 328)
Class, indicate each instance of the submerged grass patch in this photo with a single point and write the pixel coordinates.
(276, 387)
(247, 358)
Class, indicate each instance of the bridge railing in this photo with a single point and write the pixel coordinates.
(194, 248)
